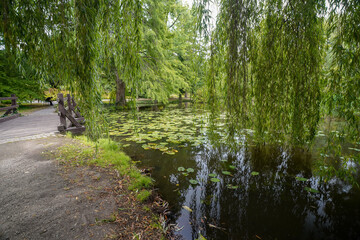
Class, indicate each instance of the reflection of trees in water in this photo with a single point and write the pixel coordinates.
(273, 204)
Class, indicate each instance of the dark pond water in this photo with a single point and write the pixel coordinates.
(249, 193)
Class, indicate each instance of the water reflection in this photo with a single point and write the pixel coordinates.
(270, 205)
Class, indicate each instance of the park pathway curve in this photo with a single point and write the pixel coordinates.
(39, 124)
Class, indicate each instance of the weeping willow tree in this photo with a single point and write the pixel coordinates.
(273, 60)
(279, 67)
(67, 40)
(342, 82)
(341, 91)
(287, 70)
(122, 34)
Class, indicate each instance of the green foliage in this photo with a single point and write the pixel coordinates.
(143, 195)
(266, 65)
(169, 50)
(83, 46)
(342, 82)
(278, 66)
(287, 71)
(17, 77)
(270, 81)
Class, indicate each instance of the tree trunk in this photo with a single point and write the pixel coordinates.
(155, 107)
(186, 94)
(180, 97)
(120, 91)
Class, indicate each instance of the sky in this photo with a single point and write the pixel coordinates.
(188, 2)
(214, 8)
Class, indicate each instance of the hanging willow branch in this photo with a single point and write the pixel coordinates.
(342, 85)
(66, 41)
(273, 65)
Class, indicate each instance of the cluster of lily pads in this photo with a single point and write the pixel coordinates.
(214, 178)
(163, 131)
(169, 130)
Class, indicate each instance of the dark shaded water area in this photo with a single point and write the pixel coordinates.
(267, 192)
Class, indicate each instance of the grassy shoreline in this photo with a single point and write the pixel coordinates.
(136, 187)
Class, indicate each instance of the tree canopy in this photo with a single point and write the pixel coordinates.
(276, 66)
(284, 62)
(149, 45)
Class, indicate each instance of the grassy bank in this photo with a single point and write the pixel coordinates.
(107, 154)
(132, 189)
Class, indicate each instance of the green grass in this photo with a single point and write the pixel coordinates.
(29, 108)
(107, 153)
(143, 195)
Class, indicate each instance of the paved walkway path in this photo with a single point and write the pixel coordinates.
(38, 124)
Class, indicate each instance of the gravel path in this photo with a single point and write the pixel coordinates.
(39, 201)
(42, 123)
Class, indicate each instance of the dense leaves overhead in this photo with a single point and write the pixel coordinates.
(78, 44)
(274, 72)
(273, 65)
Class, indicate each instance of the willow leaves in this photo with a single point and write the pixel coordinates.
(273, 62)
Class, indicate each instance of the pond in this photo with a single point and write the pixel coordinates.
(251, 192)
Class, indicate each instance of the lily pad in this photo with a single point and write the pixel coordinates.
(215, 179)
(226, 172)
(232, 167)
(311, 190)
(301, 179)
(223, 160)
(145, 146)
(212, 175)
(230, 186)
(185, 174)
(169, 152)
(181, 169)
(192, 181)
(255, 173)
(125, 145)
(187, 208)
(163, 149)
(190, 170)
